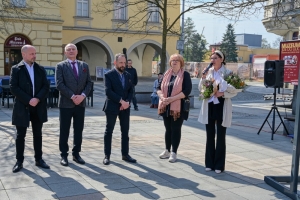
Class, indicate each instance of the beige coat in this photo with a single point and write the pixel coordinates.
(228, 94)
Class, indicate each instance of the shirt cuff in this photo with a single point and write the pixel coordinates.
(83, 94)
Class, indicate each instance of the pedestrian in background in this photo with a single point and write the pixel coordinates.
(172, 89)
(216, 115)
(134, 78)
(29, 85)
(154, 96)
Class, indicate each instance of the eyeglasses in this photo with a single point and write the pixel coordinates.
(175, 60)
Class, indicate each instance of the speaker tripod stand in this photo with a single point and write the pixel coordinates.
(274, 108)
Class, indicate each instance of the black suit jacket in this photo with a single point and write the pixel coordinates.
(21, 87)
(114, 91)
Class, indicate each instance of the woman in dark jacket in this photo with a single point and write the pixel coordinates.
(172, 89)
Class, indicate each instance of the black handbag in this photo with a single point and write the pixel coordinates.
(186, 104)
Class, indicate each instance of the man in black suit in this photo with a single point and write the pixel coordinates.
(29, 85)
(74, 84)
(132, 71)
(118, 90)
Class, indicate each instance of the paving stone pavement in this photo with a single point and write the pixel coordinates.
(249, 156)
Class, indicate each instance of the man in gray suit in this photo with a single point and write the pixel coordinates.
(74, 84)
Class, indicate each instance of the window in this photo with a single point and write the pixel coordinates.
(18, 3)
(120, 9)
(83, 8)
(153, 13)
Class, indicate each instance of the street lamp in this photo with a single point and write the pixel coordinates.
(180, 43)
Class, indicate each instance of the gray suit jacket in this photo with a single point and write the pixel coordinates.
(67, 85)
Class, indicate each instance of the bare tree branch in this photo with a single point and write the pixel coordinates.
(233, 10)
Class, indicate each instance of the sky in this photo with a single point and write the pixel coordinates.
(215, 27)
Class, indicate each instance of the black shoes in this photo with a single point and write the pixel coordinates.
(136, 109)
(129, 159)
(64, 161)
(41, 163)
(106, 160)
(18, 166)
(78, 159)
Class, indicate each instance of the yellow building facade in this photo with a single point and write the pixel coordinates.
(98, 37)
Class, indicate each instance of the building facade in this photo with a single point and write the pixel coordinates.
(282, 18)
(251, 40)
(98, 36)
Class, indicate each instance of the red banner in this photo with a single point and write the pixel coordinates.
(290, 53)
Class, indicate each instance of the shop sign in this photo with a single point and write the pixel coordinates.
(290, 53)
(16, 41)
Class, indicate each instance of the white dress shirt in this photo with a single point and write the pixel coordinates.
(31, 74)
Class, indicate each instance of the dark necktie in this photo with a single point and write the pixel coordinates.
(122, 80)
(74, 70)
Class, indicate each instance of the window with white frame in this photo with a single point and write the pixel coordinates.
(153, 11)
(120, 9)
(83, 8)
(18, 3)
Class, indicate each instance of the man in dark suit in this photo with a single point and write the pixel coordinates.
(118, 90)
(29, 85)
(74, 84)
(132, 71)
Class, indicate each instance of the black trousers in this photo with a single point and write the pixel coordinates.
(37, 137)
(173, 132)
(124, 117)
(134, 101)
(65, 117)
(215, 154)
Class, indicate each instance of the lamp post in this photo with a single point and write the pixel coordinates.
(182, 29)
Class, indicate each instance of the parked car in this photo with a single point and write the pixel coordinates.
(50, 71)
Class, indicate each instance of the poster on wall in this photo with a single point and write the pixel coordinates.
(290, 53)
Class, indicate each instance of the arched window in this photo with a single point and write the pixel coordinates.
(295, 35)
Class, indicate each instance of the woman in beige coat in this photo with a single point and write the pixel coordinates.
(216, 112)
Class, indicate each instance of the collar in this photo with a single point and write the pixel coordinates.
(26, 64)
(70, 61)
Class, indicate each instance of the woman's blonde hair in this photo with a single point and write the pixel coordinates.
(180, 58)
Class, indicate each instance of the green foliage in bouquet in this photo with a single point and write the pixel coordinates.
(235, 81)
(207, 89)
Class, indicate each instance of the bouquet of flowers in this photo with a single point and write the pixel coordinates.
(207, 89)
(235, 81)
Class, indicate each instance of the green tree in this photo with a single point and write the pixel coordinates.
(265, 44)
(189, 30)
(228, 46)
(198, 47)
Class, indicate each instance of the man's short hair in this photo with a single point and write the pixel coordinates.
(129, 60)
(70, 44)
(118, 55)
(159, 74)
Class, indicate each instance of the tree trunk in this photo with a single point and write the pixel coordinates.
(164, 40)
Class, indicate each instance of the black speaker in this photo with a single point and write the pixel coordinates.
(274, 72)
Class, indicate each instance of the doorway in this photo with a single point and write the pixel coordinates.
(12, 57)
